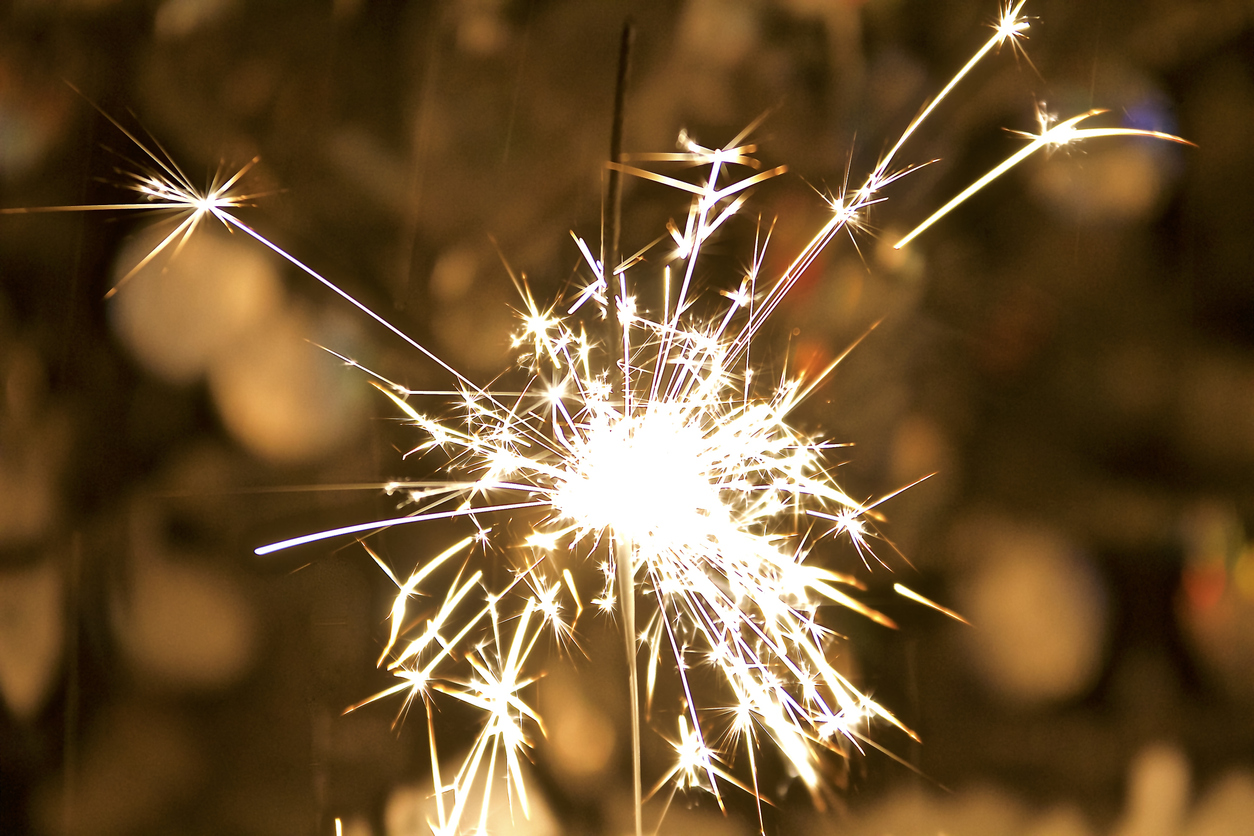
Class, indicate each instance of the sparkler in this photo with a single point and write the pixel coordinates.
(663, 454)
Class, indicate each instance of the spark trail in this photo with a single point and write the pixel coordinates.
(666, 443)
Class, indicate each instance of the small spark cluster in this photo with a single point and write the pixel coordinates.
(657, 451)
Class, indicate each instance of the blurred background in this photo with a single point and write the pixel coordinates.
(1071, 353)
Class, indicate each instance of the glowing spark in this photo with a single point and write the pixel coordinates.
(164, 187)
(690, 475)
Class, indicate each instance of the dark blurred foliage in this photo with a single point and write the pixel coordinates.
(1071, 352)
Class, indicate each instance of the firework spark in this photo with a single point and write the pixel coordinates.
(661, 447)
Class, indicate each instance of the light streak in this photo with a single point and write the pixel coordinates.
(1060, 135)
(907, 592)
(687, 466)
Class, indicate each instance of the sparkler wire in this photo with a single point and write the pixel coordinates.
(624, 552)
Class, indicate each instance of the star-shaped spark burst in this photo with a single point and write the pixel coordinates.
(661, 451)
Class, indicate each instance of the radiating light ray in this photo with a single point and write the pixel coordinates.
(661, 454)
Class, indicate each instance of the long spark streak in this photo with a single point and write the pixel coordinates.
(664, 453)
(1060, 135)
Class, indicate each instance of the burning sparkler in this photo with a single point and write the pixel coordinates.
(663, 454)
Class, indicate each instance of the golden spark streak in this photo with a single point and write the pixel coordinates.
(907, 592)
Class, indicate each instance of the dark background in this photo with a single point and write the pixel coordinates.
(1071, 352)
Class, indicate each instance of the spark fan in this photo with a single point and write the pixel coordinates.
(657, 449)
